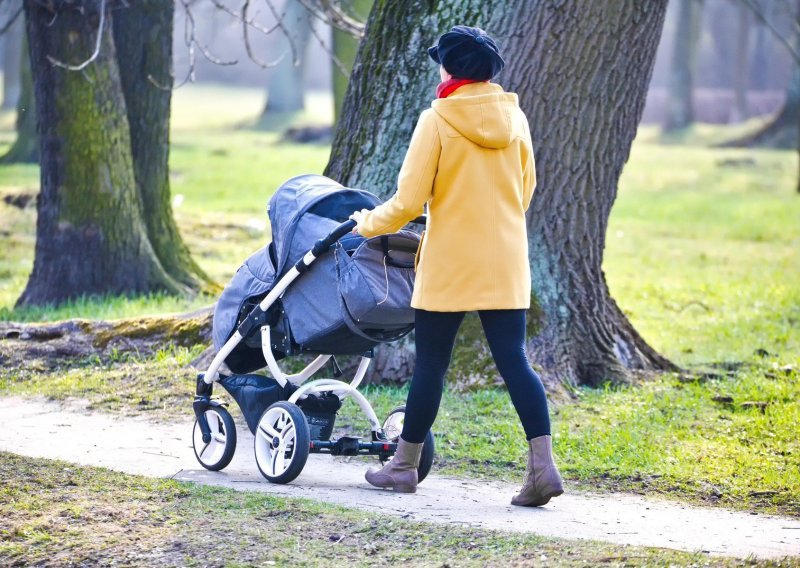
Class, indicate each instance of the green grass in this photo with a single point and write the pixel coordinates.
(703, 254)
(107, 308)
(222, 174)
(703, 251)
(59, 514)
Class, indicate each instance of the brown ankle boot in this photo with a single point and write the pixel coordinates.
(542, 481)
(400, 473)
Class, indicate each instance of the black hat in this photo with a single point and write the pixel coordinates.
(468, 53)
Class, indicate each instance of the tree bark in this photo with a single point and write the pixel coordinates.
(581, 70)
(143, 37)
(286, 92)
(91, 238)
(25, 148)
(680, 113)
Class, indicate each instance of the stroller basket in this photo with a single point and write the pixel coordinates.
(255, 393)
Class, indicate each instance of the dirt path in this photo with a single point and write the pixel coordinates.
(40, 429)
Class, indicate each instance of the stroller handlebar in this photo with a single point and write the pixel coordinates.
(324, 244)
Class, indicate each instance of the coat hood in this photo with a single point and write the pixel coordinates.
(481, 112)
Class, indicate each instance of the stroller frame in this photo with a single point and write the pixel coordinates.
(379, 444)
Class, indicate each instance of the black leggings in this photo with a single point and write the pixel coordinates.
(505, 332)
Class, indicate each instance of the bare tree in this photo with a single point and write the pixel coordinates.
(286, 92)
(741, 60)
(680, 112)
(345, 47)
(92, 235)
(25, 148)
(12, 22)
(783, 131)
(583, 123)
(143, 38)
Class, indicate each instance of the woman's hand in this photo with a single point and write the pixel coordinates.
(358, 217)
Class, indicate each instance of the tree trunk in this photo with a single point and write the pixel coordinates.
(762, 58)
(26, 146)
(583, 123)
(345, 47)
(740, 111)
(680, 113)
(12, 58)
(783, 131)
(286, 92)
(143, 38)
(91, 238)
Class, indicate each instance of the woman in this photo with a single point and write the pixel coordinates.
(471, 160)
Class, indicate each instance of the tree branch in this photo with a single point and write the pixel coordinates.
(331, 14)
(280, 24)
(756, 10)
(251, 22)
(250, 53)
(11, 20)
(339, 65)
(82, 66)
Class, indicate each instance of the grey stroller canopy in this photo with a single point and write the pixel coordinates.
(353, 297)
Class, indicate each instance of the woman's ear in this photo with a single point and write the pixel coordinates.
(444, 74)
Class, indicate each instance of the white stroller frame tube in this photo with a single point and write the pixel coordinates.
(342, 389)
(339, 388)
(272, 363)
(212, 374)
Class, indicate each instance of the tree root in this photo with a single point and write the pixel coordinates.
(54, 344)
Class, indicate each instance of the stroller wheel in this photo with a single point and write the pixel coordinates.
(218, 452)
(393, 427)
(282, 442)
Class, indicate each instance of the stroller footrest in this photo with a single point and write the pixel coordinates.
(349, 446)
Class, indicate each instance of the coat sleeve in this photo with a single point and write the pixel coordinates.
(529, 180)
(529, 167)
(414, 183)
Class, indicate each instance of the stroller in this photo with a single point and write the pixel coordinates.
(316, 289)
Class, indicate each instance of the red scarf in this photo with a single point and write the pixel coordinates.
(444, 89)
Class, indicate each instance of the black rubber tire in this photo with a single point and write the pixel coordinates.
(229, 427)
(302, 443)
(428, 448)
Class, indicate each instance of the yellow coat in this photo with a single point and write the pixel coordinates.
(471, 160)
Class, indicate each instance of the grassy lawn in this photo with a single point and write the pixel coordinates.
(703, 254)
(222, 174)
(58, 514)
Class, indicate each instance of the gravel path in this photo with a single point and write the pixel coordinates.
(42, 429)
